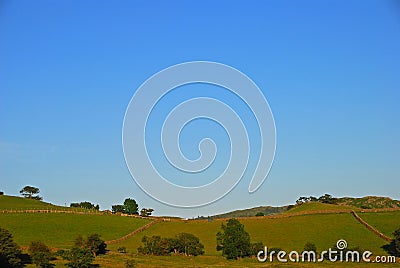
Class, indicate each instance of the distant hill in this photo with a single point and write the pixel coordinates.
(250, 212)
(20, 203)
(343, 203)
(368, 202)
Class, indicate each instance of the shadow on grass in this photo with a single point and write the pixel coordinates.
(391, 249)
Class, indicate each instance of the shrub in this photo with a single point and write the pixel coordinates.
(93, 243)
(78, 257)
(259, 214)
(9, 250)
(40, 254)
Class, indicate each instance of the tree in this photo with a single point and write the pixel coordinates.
(256, 247)
(328, 199)
(117, 209)
(9, 250)
(233, 240)
(30, 192)
(397, 241)
(85, 205)
(40, 254)
(78, 257)
(93, 243)
(155, 245)
(259, 214)
(130, 206)
(188, 244)
(145, 212)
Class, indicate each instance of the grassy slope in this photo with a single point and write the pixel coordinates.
(20, 203)
(251, 212)
(287, 233)
(316, 206)
(370, 202)
(386, 222)
(59, 230)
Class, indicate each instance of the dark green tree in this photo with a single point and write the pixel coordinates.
(30, 192)
(130, 206)
(256, 247)
(9, 250)
(78, 257)
(93, 243)
(117, 209)
(40, 254)
(188, 244)
(155, 245)
(85, 205)
(328, 199)
(233, 240)
(259, 214)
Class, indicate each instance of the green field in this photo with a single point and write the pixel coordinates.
(289, 232)
(59, 230)
(317, 206)
(15, 203)
(385, 222)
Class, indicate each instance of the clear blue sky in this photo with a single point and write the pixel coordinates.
(329, 70)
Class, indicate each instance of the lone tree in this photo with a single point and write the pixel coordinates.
(130, 206)
(188, 244)
(9, 250)
(40, 254)
(30, 192)
(233, 240)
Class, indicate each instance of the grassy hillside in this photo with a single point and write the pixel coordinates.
(369, 202)
(19, 203)
(287, 233)
(59, 230)
(317, 206)
(385, 222)
(267, 210)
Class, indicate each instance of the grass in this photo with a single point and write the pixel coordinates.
(118, 261)
(15, 203)
(317, 206)
(289, 233)
(385, 222)
(59, 230)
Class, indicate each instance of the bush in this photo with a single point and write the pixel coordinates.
(78, 257)
(9, 250)
(93, 243)
(130, 263)
(259, 214)
(1, 193)
(256, 247)
(188, 244)
(155, 245)
(40, 254)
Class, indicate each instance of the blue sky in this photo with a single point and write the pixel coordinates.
(329, 70)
